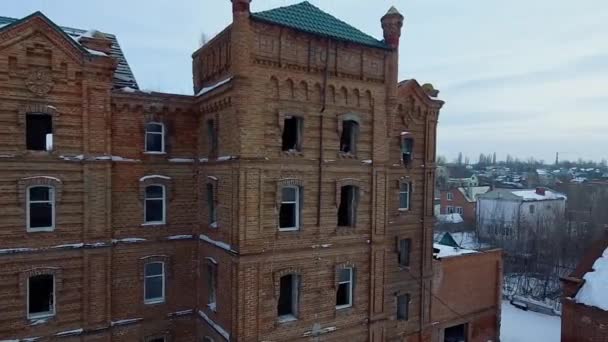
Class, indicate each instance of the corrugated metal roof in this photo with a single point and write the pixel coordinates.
(308, 18)
(123, 76)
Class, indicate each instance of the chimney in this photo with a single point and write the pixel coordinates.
(241, 7)
(540, 191)
(95, 40)
(392, 22)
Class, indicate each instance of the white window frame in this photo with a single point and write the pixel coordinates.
(161, 133)
(156, 300)
(211, 207)
(407, 193)
(459, 210)
(53, 308)
(297, 208)
(450, 196)
(164, 199)
(51, 200)
(212, 285)
(350, 282)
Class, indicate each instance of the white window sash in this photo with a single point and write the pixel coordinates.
(160, 299)
(349, 289)
(405, 193)
(160, 198)
(162, 137)
(51, 200)
(296, 209)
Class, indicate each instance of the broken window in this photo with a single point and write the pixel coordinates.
(154, 209)
(404, 196)
(212, 133)
(403, 307)
(212, 285)
(211, 205)
(39, 132)
(41, 296)
(350, 134)
(404, 252)
(287, 307)
(155, 137)
(289, 214)
(344, 295)
(292, 134)
(40, 208)
(407, 150)
(456, 333)
(154, 283)
(347, 211)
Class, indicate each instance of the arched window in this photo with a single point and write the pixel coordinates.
(347, 210)
(154, 282)
(154, 206)
(155, 137)
(40, 208)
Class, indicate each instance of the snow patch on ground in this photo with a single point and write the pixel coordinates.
(448, 251)
(594, 291)
(526, 326)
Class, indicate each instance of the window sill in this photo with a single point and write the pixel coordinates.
(293, 153)
(343, 307)
(286, 230)
(158, 153)
(153, 224)
(41, 316)
(214, 225)
(403, 210)
(154, 301)
(40, 230)
(212, 307)
(287, 319)
(347, 155)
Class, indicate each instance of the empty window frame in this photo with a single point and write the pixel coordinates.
(154, 208)
(292, 134)
(39, 132)
(350, 135)
(287, 306)
(403, 307)
(404, 196)
(347, 211)
(40, 208)
(407, 150)
(155, 137)
(211, 205)
(344, 295)
(212, 135)
(41, 296)
(211, 273)
(154, 282)
(289, 213)
(404, 251)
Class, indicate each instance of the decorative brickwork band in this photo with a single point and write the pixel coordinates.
(24, 183)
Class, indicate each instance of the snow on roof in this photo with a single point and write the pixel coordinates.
(474, 191)
(450, 218)
(594, 291)
(214, 86)
(532, 195)
(449, 251)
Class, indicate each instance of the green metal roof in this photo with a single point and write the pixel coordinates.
(448, 240)
(308, 18)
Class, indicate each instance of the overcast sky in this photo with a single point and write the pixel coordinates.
(528, 78)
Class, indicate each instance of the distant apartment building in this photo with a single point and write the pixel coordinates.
(462, 201)
(517, 218)
(585, 296)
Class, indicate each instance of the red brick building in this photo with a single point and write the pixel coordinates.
(582, 319)
(467, 295)
(463, 201)
(290, 199)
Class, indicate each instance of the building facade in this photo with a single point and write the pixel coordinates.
(462, 201)
(290, 199)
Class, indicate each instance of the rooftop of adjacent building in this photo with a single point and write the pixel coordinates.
(123, 76)
(526, 195)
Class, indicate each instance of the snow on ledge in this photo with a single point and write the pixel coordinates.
(219, 244)
(211, 259)
(128, 240)
(180, 313)
(153, 176)
(70, 332)
(594, 291)
(181, 160)
(45, 177)
(449, 251)
(215, 326)
(125, 321)
(214, 86)
(180, 237)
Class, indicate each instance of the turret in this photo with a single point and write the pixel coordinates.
(392, 22)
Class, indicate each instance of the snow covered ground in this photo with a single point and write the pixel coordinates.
(526, 326)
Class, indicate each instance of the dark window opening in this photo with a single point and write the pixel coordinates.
(212, 133)
(289, 213)
(40, 207)
(403, 307)
(39, 132)
(347, 212)
(456, 333)
(154, 204)
(404, 196)
(344, 295)
(288, 296)
(155, 137)
(350, 133)
(41, 293)
(407, 150)
(211, 204)
(212, 285)
(292, 134)
(404, 252)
